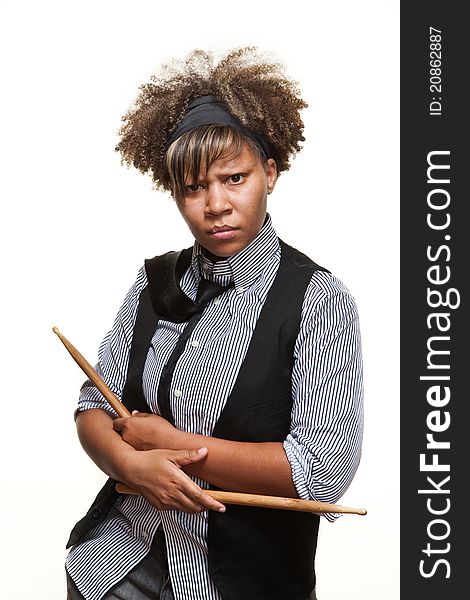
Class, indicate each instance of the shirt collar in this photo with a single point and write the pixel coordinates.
(242, 268)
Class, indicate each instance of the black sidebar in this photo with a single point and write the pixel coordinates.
(435, 253)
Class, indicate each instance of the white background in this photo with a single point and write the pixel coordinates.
(76, 226)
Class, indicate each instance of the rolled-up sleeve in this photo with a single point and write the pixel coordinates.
(324, 444)
(113, 353)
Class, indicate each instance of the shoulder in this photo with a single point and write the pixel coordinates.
(120, 335)
(164, 267)
(128, 308)
(322, 283)
(328, 297)
(139, 283)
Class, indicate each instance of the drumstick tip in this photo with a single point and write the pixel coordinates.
(55, 330)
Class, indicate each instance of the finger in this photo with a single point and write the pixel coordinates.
(194, 499)
(187, 457)
(185, 487)
(190, 506)
(142, 415)
(206, 502)
(180, 496)
(197, 495)
(118, 424)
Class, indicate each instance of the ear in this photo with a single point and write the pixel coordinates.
(271, 174)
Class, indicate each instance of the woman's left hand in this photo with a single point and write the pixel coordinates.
(144, 431)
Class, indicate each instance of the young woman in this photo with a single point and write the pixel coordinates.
(253, 384)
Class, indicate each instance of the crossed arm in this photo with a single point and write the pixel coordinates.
(153, 457)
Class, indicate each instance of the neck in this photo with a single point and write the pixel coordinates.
(213, 257)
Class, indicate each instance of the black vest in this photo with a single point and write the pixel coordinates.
(254, 553)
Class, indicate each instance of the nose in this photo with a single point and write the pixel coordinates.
(217, 200)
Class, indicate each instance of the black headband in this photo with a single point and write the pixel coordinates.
(209, 110)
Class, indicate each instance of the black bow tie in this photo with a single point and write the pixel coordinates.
(173, 304)
(206, 291)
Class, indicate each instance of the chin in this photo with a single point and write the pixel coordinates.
(223, 250)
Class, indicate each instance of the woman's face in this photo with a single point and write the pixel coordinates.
(226, 207)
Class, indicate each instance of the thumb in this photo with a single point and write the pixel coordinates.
(136, 413)
(187, 457)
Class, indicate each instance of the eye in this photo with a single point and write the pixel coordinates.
(193, 188)
(236, 178)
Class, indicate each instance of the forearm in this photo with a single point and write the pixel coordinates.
(103, 445)
(257, 468)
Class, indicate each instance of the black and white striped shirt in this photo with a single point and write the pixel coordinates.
(324, 443)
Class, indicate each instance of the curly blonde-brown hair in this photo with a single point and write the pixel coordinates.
(254, 89)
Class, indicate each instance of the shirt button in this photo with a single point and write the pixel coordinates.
(96, 512)
(217, 301)
(241, 290)
(178, 393)
(195, 343)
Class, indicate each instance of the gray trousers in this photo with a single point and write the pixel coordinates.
(149, 580)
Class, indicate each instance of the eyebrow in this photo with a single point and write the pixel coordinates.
(224, 171)
(235, 166)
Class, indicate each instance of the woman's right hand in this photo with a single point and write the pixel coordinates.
(158, 476)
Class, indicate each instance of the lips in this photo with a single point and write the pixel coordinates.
(225, 232)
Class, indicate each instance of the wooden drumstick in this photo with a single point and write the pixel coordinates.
(224, 497)
(90, 372)
(269, 502)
